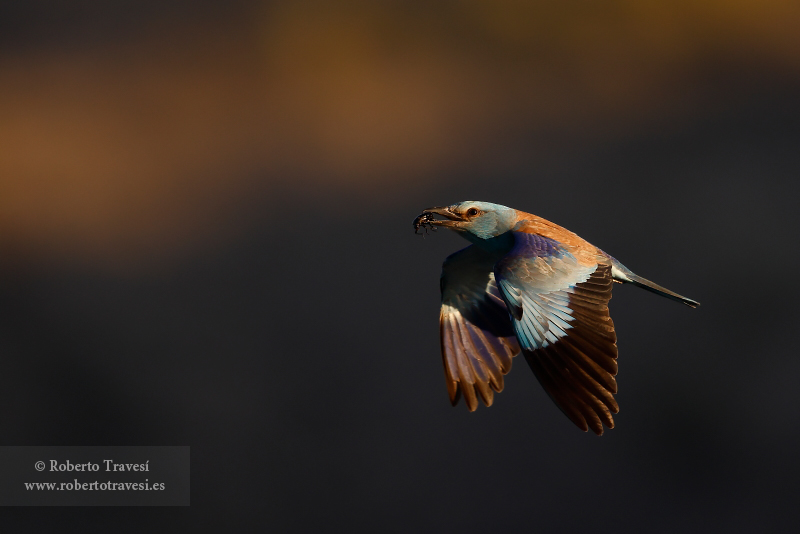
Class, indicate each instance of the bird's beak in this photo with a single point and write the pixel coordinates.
(451, 219)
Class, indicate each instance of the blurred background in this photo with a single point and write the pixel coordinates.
(205, 240)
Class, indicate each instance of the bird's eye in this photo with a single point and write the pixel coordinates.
(472, 212)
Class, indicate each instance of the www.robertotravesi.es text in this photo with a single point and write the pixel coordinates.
(94, 486)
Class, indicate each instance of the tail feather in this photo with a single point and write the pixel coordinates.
(622, 274)
(658, 290)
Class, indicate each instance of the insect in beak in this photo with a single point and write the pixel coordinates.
(424, 221)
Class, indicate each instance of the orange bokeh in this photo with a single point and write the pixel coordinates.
(134, 148)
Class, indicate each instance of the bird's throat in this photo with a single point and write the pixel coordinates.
(499, 245)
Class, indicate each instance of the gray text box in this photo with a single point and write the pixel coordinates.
(94, 476)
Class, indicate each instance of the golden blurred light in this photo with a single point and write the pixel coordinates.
(132, 148)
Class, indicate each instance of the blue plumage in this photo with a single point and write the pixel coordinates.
(535, 277)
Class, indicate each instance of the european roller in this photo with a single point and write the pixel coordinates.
(528, 285)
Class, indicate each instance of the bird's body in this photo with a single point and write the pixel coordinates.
(528, 285)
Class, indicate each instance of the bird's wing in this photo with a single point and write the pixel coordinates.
(477, 338)
(559, 309)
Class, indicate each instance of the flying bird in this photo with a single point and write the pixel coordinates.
(528, 285)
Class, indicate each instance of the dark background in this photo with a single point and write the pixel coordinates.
(205, 240)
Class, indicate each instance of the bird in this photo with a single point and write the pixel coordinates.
(526, 285)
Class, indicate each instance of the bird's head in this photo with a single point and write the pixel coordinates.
(483, 220)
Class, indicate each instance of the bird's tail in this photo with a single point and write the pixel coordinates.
(637, 280)
(622, 274)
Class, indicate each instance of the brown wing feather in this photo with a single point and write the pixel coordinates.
(477, 338)
(577, 371)
(475, 359)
